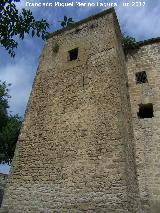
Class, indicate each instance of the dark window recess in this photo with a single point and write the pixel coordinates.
(141, 77)
(73, 54)
(145, 111)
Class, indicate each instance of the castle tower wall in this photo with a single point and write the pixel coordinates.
(146, 130)
(75, 152)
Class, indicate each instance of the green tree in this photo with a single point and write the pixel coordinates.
(14, 24)
(9, 127)
(3, 103)
(129, 42)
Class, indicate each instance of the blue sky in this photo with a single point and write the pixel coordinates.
(139, 22)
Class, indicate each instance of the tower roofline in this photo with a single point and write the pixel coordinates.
(76, 24)
(149, 41)
(145, 43)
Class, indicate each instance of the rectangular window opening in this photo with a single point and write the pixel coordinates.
(73, 54)
(141, 77)
(145, 111)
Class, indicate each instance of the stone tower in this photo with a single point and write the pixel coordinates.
(143, 67)
(76, 151)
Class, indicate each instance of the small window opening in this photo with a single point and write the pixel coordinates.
(141, 77)
(73, 54)
(145, 111)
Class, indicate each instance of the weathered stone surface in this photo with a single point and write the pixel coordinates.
(82, 147)
(146, 131)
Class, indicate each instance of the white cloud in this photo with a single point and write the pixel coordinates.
(142, 22)
(20, 75)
